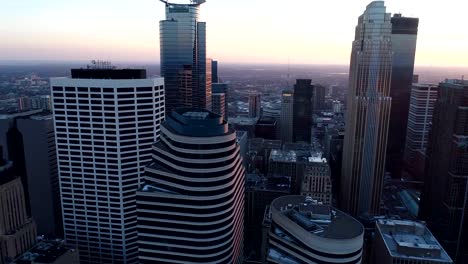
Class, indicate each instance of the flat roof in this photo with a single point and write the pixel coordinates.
(196, 122)
(317, 219)
(411, 240)
(44, 252)
(115, 74)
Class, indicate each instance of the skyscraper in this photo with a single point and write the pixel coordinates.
(368, 112)
(319, 98)
(255, 105)
(106, 121)
(214, 71)
(303, 108)
(404, 35)
(423, 98)
(316, 181)
(17, 230)
(223, 88)
(444, 201)
(218, 104)
(41, 168)
(287, 114)
(190, 208)
(183, 57)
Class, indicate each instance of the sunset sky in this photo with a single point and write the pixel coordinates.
(239, 31)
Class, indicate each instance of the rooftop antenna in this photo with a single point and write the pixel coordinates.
(289, 71)
(192, 2)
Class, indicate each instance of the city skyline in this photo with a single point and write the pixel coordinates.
(277, 26)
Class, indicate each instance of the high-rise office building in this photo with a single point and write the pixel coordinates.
(24, 103)
(214, 71)
(183, 57)
(337, 106)
(407, 242)
(404, 35)
(319, 98)
(41, 169)
(316, 181)
(223, 88)
(266, 128)
(255, 105)
(218, 104)
(444, 200)
(12, 144)
(274, 111)
(106, 121)
(17, 230)
(302, 231)
(303, 108)
(423, 98)
(28, 139)
(287, 115)
(190, 208)
(259, 193)
(368, 112)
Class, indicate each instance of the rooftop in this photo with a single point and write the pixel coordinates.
(194, 122)
(255, 182)
(317, 157)
(456, 82)
(317, 219)
(108, 73)
(20, 114)
(191, 2)
(411, 240)
(277, 155)
(44, 252)
(243, 121)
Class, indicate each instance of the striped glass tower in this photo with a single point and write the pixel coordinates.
(368, 112)
(190, 209)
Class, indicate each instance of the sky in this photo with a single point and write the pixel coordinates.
(239, 31)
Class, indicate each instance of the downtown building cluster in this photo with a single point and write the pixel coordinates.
(131, 169)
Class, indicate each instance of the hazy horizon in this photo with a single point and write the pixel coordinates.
(242, 31)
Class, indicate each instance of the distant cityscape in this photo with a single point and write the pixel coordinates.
(198, 161)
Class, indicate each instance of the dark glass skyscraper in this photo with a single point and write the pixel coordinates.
(444, 201)
(183, 57)
(214, 71)
(404, 35)
(302, 117)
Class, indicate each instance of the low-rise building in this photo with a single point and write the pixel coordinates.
(407, 242)
(49, 252)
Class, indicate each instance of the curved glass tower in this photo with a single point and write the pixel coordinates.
(183, 57)
(191, 208)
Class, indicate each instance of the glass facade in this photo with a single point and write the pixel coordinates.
(404, 35)
(368, 113)
(302, 116)
(183, 58)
